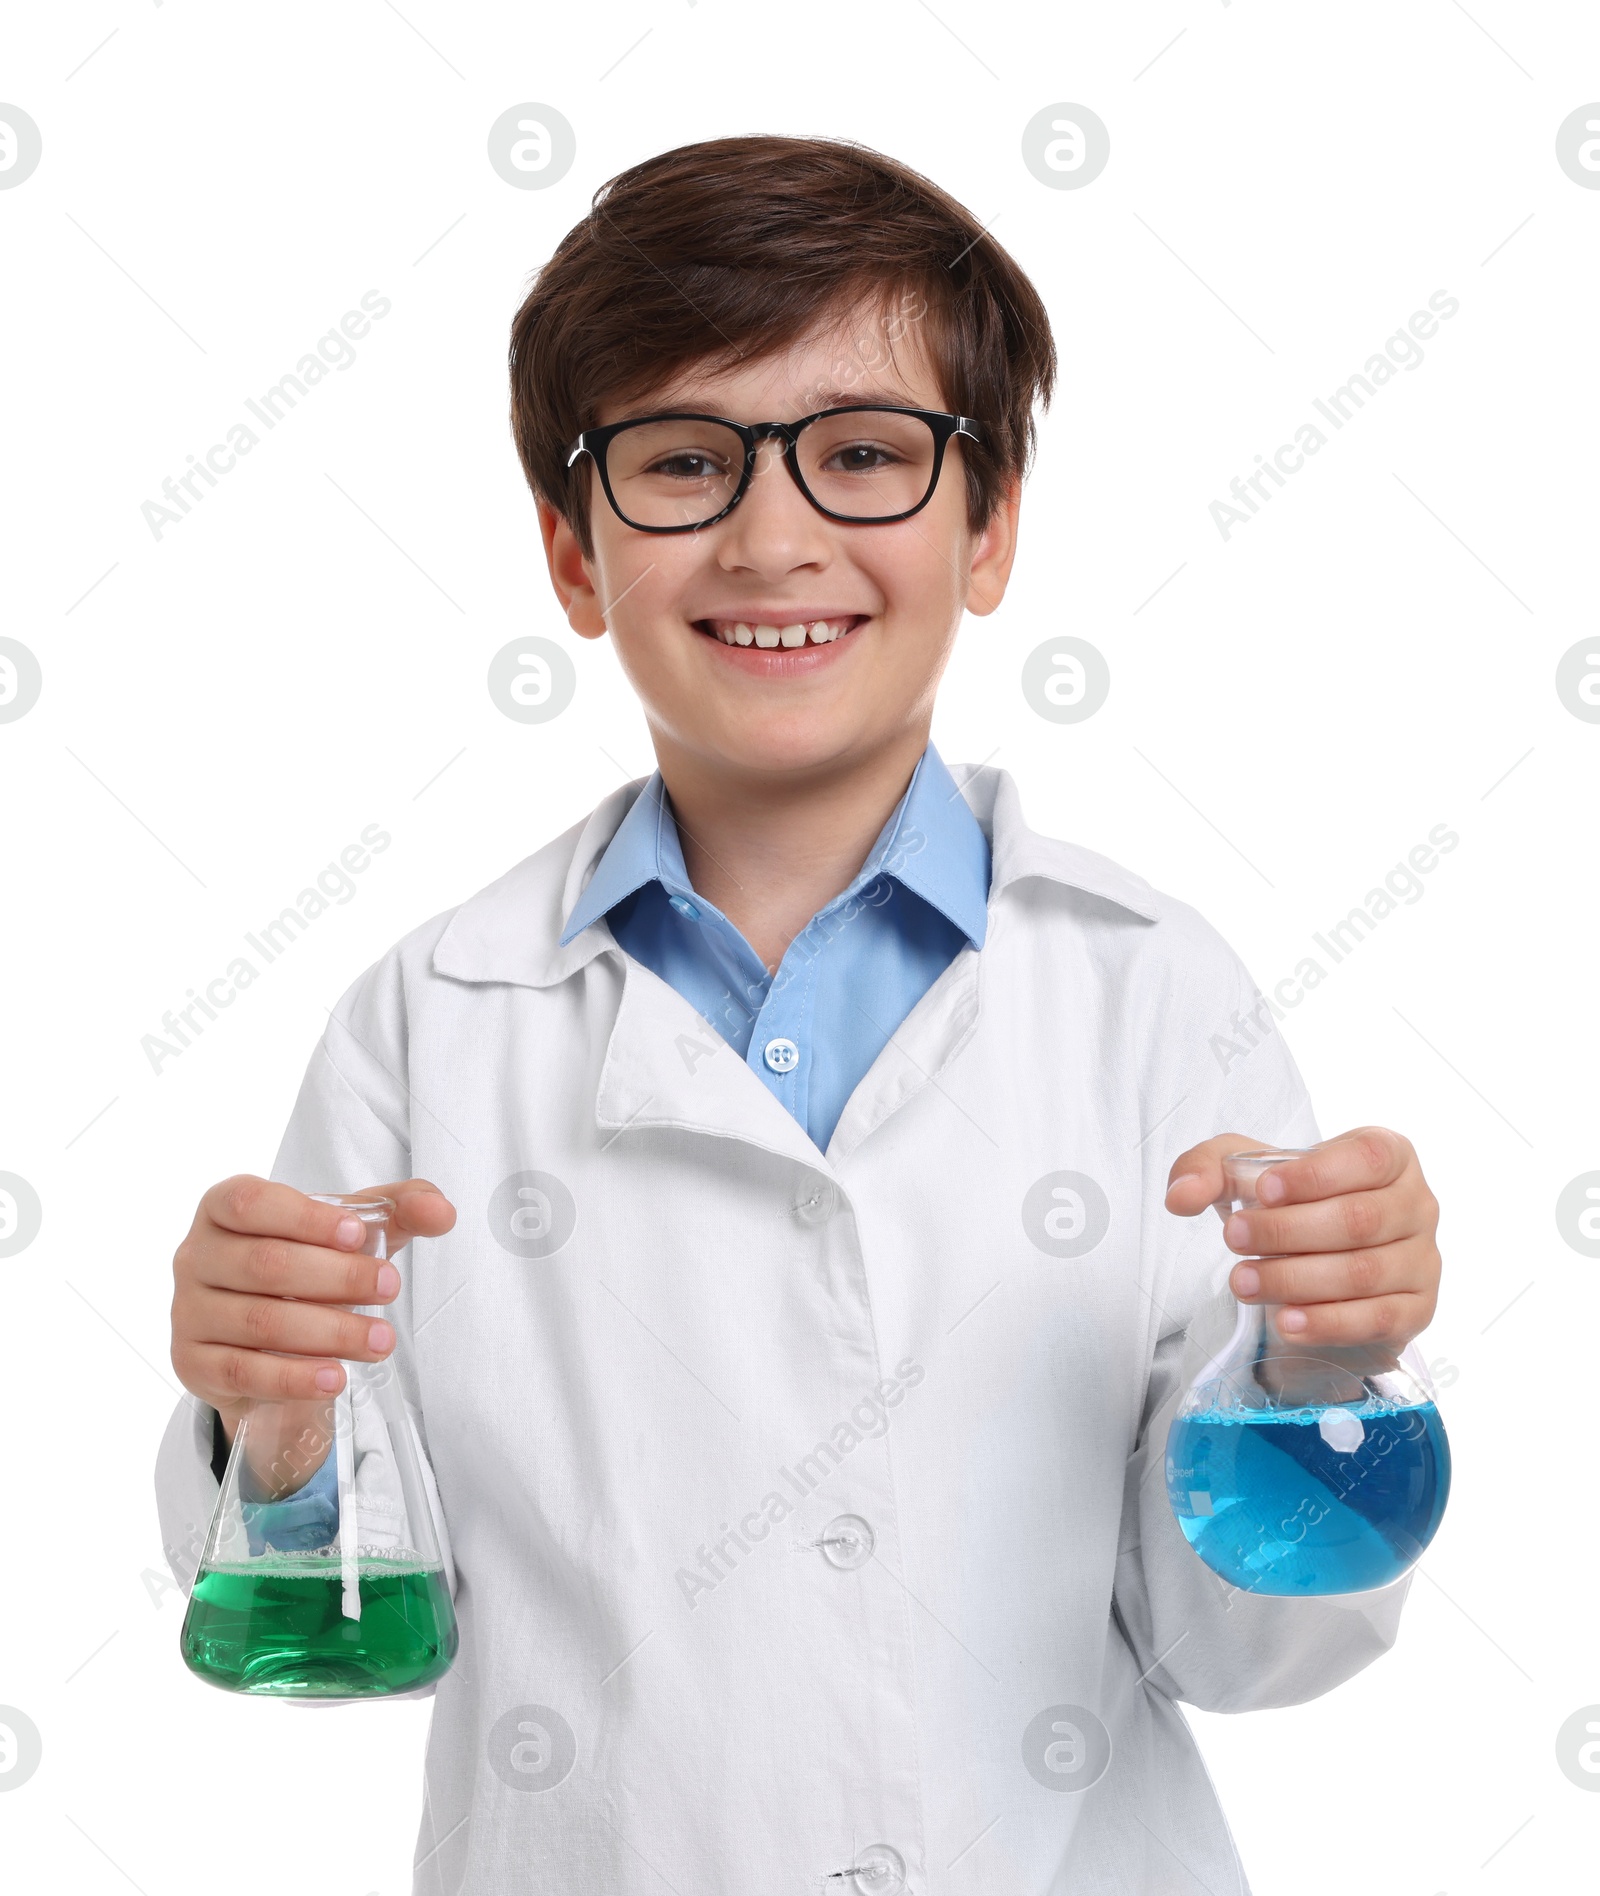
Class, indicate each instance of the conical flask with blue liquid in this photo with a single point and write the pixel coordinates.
(1296, 1474)
(322, 1576)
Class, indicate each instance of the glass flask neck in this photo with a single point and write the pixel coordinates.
(1255, 1338)
(1260, 1367)
(374, 1215)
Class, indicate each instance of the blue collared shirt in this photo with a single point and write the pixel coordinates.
(809, 1031)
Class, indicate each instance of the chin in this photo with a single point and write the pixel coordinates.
(789, 746)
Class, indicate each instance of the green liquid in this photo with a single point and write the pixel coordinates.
(277, 1627)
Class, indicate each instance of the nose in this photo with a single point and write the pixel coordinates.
(774, 528)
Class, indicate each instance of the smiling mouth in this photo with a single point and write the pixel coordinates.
(795, 634)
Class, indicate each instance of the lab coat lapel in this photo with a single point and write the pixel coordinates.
(918, 1050)
(946, 1017)
(667, 1066)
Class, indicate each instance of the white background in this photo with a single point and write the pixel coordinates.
(226, 708)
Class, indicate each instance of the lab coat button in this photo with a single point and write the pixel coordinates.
(684, 906)
(847, 1542)
(819, 1204)
(782, 1055)
(879, 1870)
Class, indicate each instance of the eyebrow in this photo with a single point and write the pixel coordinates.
(874, 397)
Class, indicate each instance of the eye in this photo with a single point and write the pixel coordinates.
(687, 465)
(861, 457)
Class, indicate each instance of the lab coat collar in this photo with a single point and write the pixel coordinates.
(511, 931)
(1022, 854)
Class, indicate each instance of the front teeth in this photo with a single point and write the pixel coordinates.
(790, 636)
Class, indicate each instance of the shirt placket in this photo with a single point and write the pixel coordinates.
(746, 984)
(781, 1050)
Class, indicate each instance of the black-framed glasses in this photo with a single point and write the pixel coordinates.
(678, 472)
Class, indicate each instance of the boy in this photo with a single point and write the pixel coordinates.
(792, 1475)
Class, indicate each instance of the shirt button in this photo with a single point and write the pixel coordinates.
(781, 1055)
(819, 1205)
(879, 1870)
(684, 906)
(847, 1542)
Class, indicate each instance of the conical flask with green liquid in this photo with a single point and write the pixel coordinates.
(322, 1576)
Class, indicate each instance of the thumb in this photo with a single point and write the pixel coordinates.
(421, 1210)
(1196, 1179)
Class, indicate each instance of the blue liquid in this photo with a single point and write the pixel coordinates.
(1271, 1505)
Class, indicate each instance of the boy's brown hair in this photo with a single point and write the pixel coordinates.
(733, 249)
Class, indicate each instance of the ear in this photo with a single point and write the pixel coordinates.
(571, 573)
(993, 553)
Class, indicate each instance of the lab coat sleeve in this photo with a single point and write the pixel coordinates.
(349, 1131)
(1204, 1642)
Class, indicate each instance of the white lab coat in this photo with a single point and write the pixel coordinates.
(728, 1299)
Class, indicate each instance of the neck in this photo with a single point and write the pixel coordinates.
(771, 851)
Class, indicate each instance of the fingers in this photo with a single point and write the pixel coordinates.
(261, 1207)
(421, 1210)
(229, 1378)
(278, 1267)
(1365, 1159)
(1345, 1223)
(226, 1346)
(280, 1323)
(253, 1234)
(1331, 1277)
(1384, 1296)
(1390, 1321)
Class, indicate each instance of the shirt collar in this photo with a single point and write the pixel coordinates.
(645, 849)
(932, 844)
